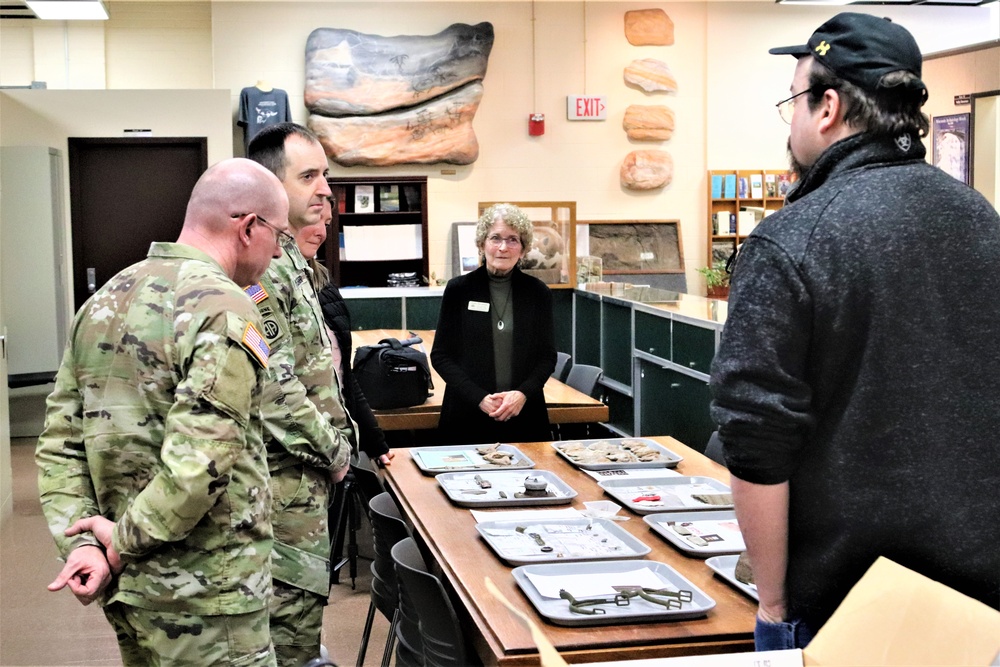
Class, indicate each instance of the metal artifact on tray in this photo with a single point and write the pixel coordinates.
(701, 533)
(616, 453)
(610, 592)
(669, 494)
(526, 541)
(726, 567)
(505, 488)
(459, 458)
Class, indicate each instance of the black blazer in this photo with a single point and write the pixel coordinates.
(463, 356)
(338, 318)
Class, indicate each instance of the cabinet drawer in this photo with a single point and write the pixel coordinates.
(588, 331)
(422, 312)
(616, 342)
(376, 313)
(652, 334)
(693, 347)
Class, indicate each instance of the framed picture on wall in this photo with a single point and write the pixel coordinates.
(464, 253)
(950, 145)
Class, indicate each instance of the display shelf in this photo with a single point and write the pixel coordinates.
(752, 192)
(379, 228)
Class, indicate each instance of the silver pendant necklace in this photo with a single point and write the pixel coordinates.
(500, 313)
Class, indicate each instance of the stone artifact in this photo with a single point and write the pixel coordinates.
(651, 75)
(439, 131)
(647, 170)
(649, 27)
(648, 123)
(407, 99)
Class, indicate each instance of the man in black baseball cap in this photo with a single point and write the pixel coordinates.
(862, 49)
(840, 304)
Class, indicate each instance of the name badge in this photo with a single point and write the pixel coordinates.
(479, 306)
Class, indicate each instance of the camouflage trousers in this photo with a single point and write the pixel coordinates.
(165, 639)
(296, 624)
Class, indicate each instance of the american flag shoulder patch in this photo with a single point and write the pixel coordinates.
(256, 344)
(256, 292)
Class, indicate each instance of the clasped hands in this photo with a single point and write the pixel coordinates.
(503, 405)
(89, 569)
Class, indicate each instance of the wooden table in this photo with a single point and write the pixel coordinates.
(450, 534)
(566, 405)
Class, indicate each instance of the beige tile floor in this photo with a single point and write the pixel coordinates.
(42, 628)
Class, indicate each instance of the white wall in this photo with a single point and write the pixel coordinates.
(728, 85)
(50, 117)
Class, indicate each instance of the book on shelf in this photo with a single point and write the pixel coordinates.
(732, 223)
(756, 186)
(720, 222)
(729, 192)
(364, 198)
(717, 186)
(743, 187)
(409, 199)
(770, 186)
(745, 222)
(339, 194)
(784, 184)
(388, 198)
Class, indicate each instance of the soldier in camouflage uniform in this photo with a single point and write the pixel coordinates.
(152, 473)
(307, 429)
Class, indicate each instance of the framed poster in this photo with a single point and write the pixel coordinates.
(464, 253)
(635, 246)
(950, 145)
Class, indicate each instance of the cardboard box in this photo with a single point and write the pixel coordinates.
(894, 616)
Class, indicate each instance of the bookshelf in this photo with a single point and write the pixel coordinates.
(379, 228)
(752, 192)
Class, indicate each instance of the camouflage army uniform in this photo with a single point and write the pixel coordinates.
(155, 424)
(307, 432)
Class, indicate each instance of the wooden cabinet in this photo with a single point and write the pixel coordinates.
(379, 228)
(750, 193)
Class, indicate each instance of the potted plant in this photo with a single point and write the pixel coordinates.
(717, 280)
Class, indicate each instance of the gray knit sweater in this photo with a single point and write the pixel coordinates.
(860, 363)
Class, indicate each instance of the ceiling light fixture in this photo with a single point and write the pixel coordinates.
(69, 10)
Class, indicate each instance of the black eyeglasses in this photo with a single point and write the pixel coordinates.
(281, 235)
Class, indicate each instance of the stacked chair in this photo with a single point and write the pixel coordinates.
(422, 595)
(388, 528)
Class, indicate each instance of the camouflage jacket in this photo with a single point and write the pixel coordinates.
(307, 429)
(155, 424)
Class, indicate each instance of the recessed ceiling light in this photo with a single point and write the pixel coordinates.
(69, 10)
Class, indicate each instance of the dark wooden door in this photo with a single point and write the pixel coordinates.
(126, 193)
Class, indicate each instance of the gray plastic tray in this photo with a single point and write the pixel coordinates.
(638, 610)
(456, 485)
(427, 461)
(725, 542)
(668, 459)
(673, 492)
(725, 567)
(570, 540)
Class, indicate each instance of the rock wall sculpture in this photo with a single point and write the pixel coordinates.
(648, 27)
(379, 101)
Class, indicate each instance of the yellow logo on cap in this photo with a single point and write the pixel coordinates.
(822, 48)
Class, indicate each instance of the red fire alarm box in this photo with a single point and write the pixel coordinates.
(536, 124)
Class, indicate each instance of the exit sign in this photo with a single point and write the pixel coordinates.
(586, 107)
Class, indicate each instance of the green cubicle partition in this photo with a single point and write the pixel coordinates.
(656, 349)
